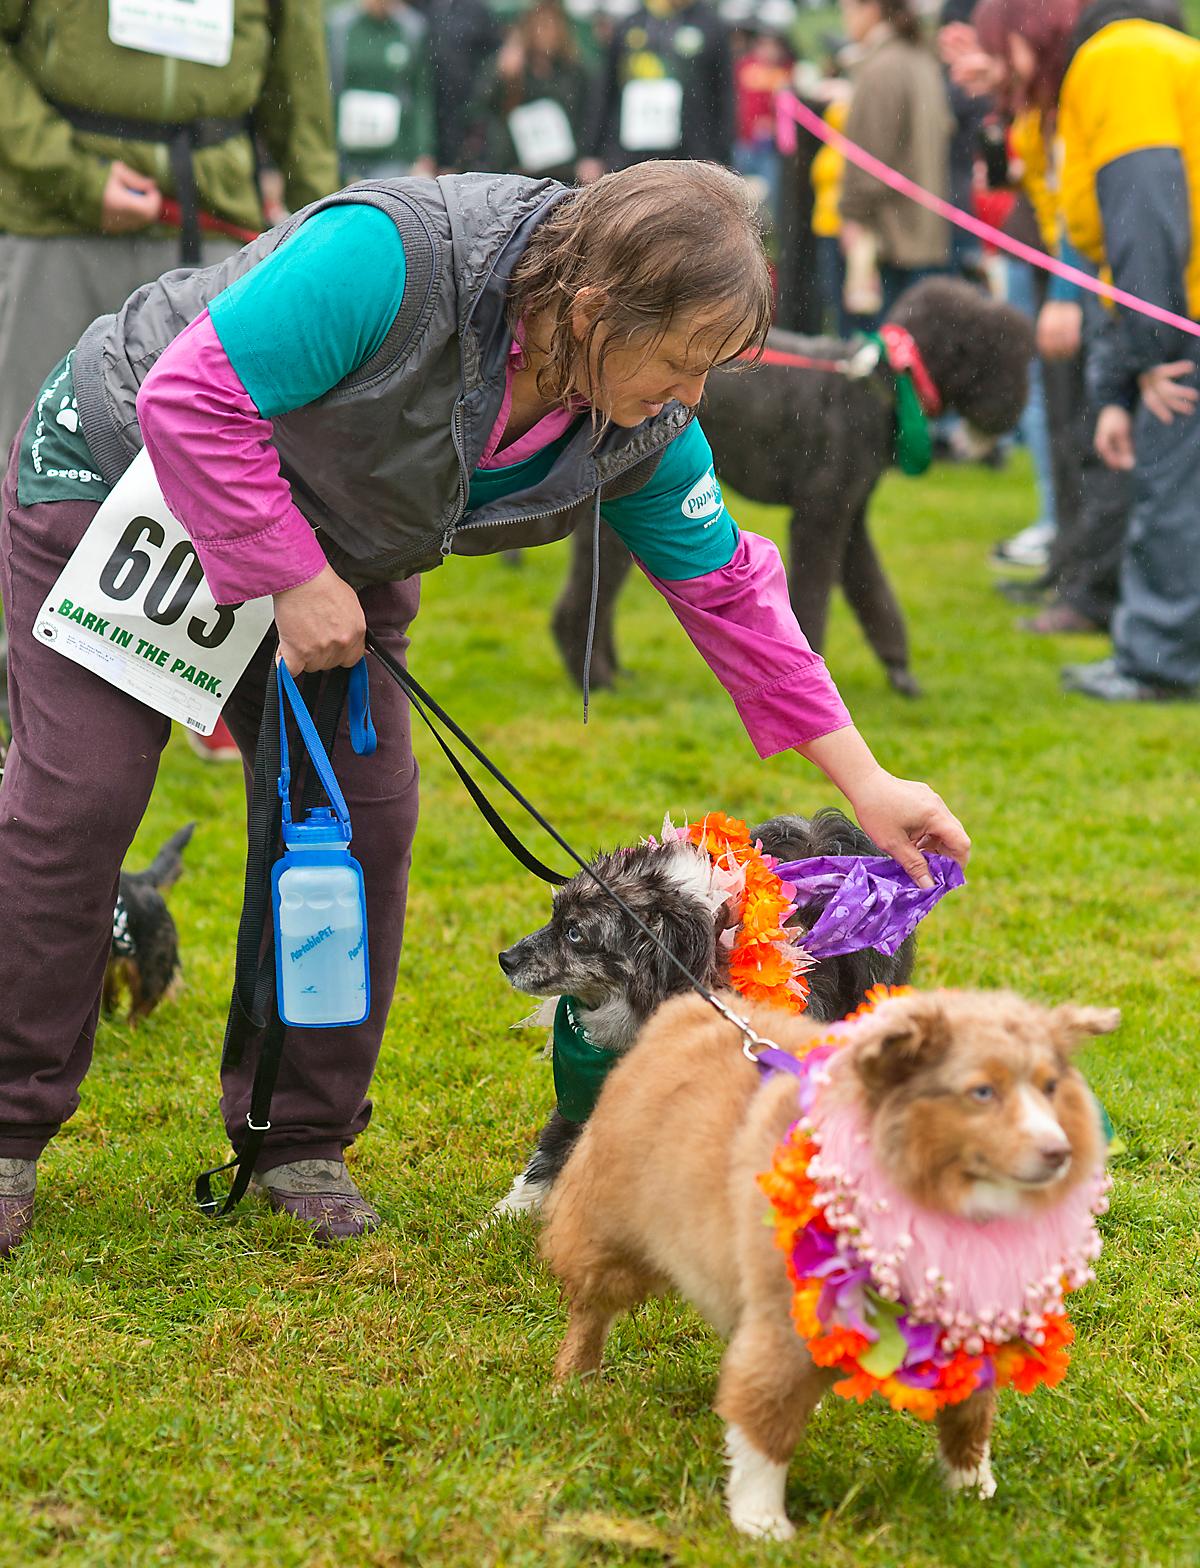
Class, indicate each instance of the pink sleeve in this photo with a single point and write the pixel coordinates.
(741, 621)
(219, 473)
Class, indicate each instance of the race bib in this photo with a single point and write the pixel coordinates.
(198, 30)
(651, 115)
(367, 121)
(541, 135)
(133, 607)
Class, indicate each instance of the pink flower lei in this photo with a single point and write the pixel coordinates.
(922, 1307)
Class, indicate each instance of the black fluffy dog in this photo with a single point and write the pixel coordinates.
(592, 951)
(819, 442)
(144, 959)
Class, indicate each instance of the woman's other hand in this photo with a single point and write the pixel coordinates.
(321, 624)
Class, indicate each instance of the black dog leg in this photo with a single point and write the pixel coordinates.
(817, 534)
(870, 596)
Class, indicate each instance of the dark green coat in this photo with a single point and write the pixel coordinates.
(54, 52)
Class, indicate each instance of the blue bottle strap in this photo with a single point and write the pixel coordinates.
(312, 742)
(362, 729)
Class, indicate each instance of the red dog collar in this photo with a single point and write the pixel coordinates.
(903, 354)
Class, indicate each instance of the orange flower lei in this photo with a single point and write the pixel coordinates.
(766, 964)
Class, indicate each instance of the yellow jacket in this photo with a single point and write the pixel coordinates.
(1028, 145)
(826, 177)
(1129, 187)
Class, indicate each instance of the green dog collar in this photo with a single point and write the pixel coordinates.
(580, 1066)
(912, 445)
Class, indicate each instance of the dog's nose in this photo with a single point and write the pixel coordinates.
(1055, 1157)
(507, 960)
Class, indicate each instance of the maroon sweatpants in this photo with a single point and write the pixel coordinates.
(80, 771)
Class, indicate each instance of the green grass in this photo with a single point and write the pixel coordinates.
(177, 1391)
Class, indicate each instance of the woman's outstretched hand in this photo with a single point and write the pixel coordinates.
(906, 819)
(321, 624)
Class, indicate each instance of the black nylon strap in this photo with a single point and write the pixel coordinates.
(422, 701)
(181, 138)
(253, 1009)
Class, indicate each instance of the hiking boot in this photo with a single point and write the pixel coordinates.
(1060, 620)
(1026, 590)
(1104, 681)
(321, 1195)
(18, 1178)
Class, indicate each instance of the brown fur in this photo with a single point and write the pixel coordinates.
(661, 1189)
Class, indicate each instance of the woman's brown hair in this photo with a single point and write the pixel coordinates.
(902, 19)
(655, 243)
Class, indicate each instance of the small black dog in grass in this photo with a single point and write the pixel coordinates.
(819, 442)
(590, 950)
(144, 961)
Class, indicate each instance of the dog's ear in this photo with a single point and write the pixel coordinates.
(691, 935)
(1070, 1025)
(900, 1037)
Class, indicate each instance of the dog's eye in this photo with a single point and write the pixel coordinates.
(982, 1093)
(574, 935)
(1049, 1088)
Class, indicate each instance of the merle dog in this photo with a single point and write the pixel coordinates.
(592, 951)
(819, 442)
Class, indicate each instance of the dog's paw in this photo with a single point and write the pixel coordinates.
(977, 1478)
(523, 1197)
(763, 1527)
(903, 681)
(754, 1489)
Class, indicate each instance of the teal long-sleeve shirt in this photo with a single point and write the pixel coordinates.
(320, 305)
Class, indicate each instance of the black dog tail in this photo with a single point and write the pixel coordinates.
(167, 866)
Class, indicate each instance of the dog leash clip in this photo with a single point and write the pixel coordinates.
(863, 361)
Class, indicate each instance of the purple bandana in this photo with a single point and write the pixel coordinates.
(870, 900)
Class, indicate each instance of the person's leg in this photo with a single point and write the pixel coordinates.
(79, 774)
(321, 1102)
(52, 289)
(1156, 626)
(1087, 559)
(1090, 575)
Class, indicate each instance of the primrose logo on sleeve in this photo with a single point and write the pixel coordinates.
(704, 498)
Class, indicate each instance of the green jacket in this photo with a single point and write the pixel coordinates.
(389, 59)
(58, 52)
(490, 143)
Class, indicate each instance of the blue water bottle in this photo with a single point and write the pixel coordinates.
(322, 975)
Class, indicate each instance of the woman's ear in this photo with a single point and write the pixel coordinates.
(589, 301)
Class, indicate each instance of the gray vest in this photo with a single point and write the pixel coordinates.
(381, 464)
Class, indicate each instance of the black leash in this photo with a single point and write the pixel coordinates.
(253, 1009)
(426, 705)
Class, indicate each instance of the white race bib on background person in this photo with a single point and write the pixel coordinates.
(652, 115)
(367, 121)
(541, 135)
(198, 30)
(133, 607)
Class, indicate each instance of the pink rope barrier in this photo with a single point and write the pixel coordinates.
(790, 112)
